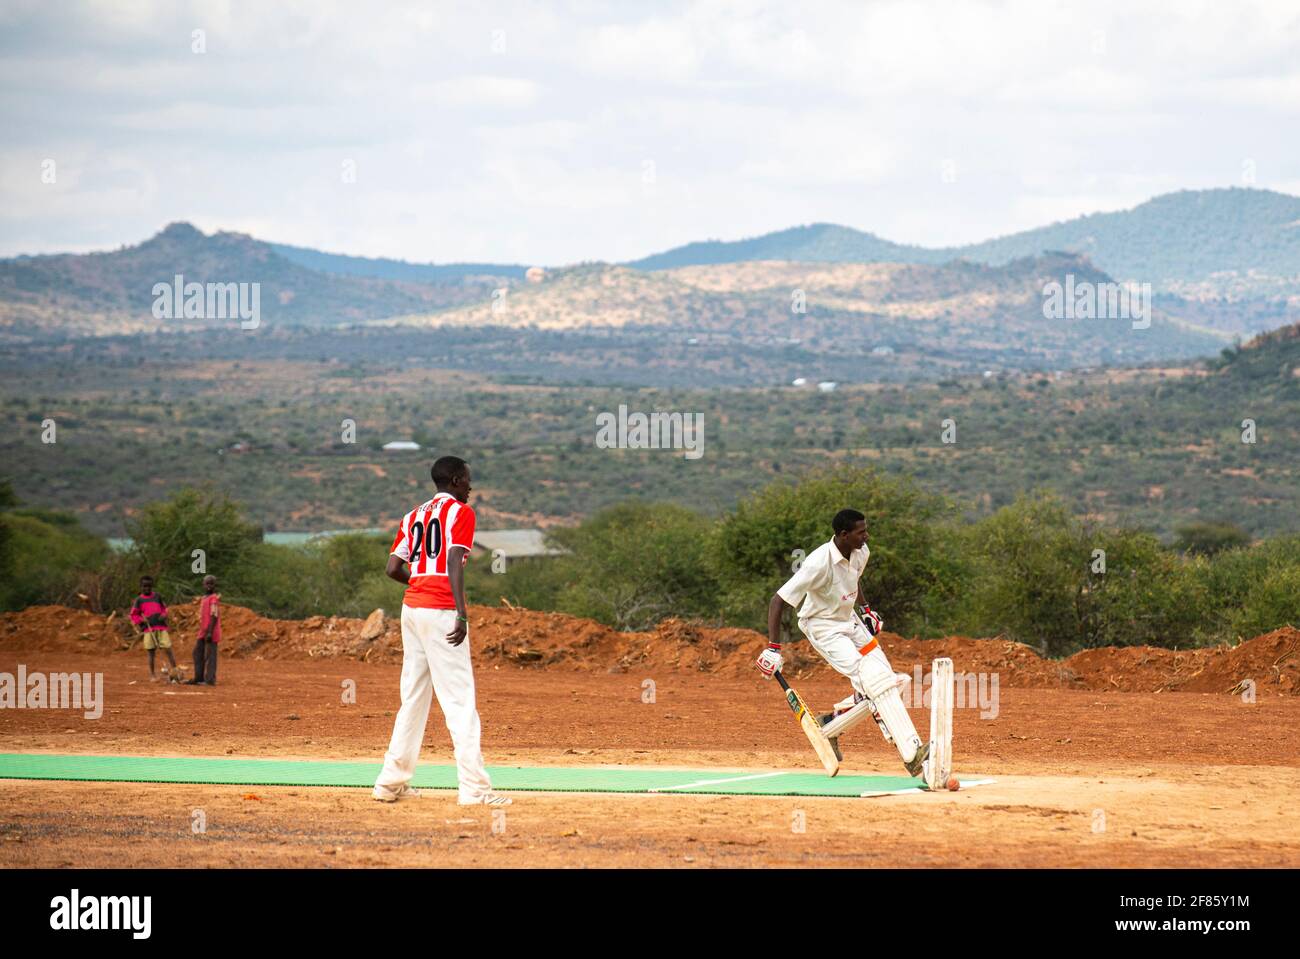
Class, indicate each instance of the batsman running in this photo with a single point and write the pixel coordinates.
(827, 592)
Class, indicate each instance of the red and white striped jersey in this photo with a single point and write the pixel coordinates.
(425, 539)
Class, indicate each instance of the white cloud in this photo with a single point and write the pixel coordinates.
(479, 92)
(756, 116)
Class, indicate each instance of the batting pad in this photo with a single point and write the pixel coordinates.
(587, 779)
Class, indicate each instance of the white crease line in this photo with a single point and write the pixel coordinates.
(965, 783)
(714, 782)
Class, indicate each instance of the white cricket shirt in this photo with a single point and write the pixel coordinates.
(826, 584)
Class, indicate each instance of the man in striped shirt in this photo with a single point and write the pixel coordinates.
(428, 557)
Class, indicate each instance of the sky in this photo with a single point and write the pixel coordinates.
(554, 133)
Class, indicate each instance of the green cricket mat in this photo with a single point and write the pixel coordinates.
(586, 779)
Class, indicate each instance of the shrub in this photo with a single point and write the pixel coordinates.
(754, 546)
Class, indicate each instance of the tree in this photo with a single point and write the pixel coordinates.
(634, 564)
(755, 546)
(1045, 577)
(167, 533)
(1209, 539)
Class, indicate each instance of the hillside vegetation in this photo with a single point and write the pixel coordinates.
(1153, 448)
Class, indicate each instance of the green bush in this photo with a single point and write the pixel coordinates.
(1038, 578)
(634, 564)
(1148, 596)
(907, 578)
(1273, 602)
(1028, 563)
(1210, 539)
(628, 566)
(47, 559)
(533, 582)
(166, 534)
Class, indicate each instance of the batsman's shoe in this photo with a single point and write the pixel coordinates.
(487, 799)
(384, 794)
(917, 766)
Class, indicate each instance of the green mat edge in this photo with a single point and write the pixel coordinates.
(849, 787)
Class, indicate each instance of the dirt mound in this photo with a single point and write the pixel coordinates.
(1271, 662)
(61, 629)
(530, 639)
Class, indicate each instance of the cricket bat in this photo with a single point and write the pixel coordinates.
(811, 728)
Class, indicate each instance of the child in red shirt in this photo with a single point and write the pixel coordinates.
(205, 647)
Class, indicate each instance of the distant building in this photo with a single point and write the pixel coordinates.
(883, 351)
(399, 446)
(799, 381)
(512, 543)
(535, 274)
(827, 385)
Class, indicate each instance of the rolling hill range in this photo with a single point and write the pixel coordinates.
(99, 293)
(924, 319)
(1196, 244)
(1227, 261)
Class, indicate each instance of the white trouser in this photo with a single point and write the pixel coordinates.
(432, 665)
(840, 642)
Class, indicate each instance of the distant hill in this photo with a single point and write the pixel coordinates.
(98, 293)
(386, 269)
(817, 243)
(1223, 263)
(1230, 241)
(923, 319)
(1233, 243)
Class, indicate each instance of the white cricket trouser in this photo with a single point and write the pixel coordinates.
(432, 665)
(840, 643)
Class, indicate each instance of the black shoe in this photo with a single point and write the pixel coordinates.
(192, 682)
(210, 682)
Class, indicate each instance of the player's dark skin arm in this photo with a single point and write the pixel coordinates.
(775, 609)
(398, 569)
(456, 576)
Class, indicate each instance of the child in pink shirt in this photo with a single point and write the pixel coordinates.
(149, 613)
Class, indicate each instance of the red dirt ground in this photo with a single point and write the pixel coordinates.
(1139, 771)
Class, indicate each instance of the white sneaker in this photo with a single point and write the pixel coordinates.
(384, 794)
(487, 799)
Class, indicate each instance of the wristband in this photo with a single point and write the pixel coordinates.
(462, 619)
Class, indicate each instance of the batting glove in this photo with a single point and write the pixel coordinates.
(871, 619)
(769, 661)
